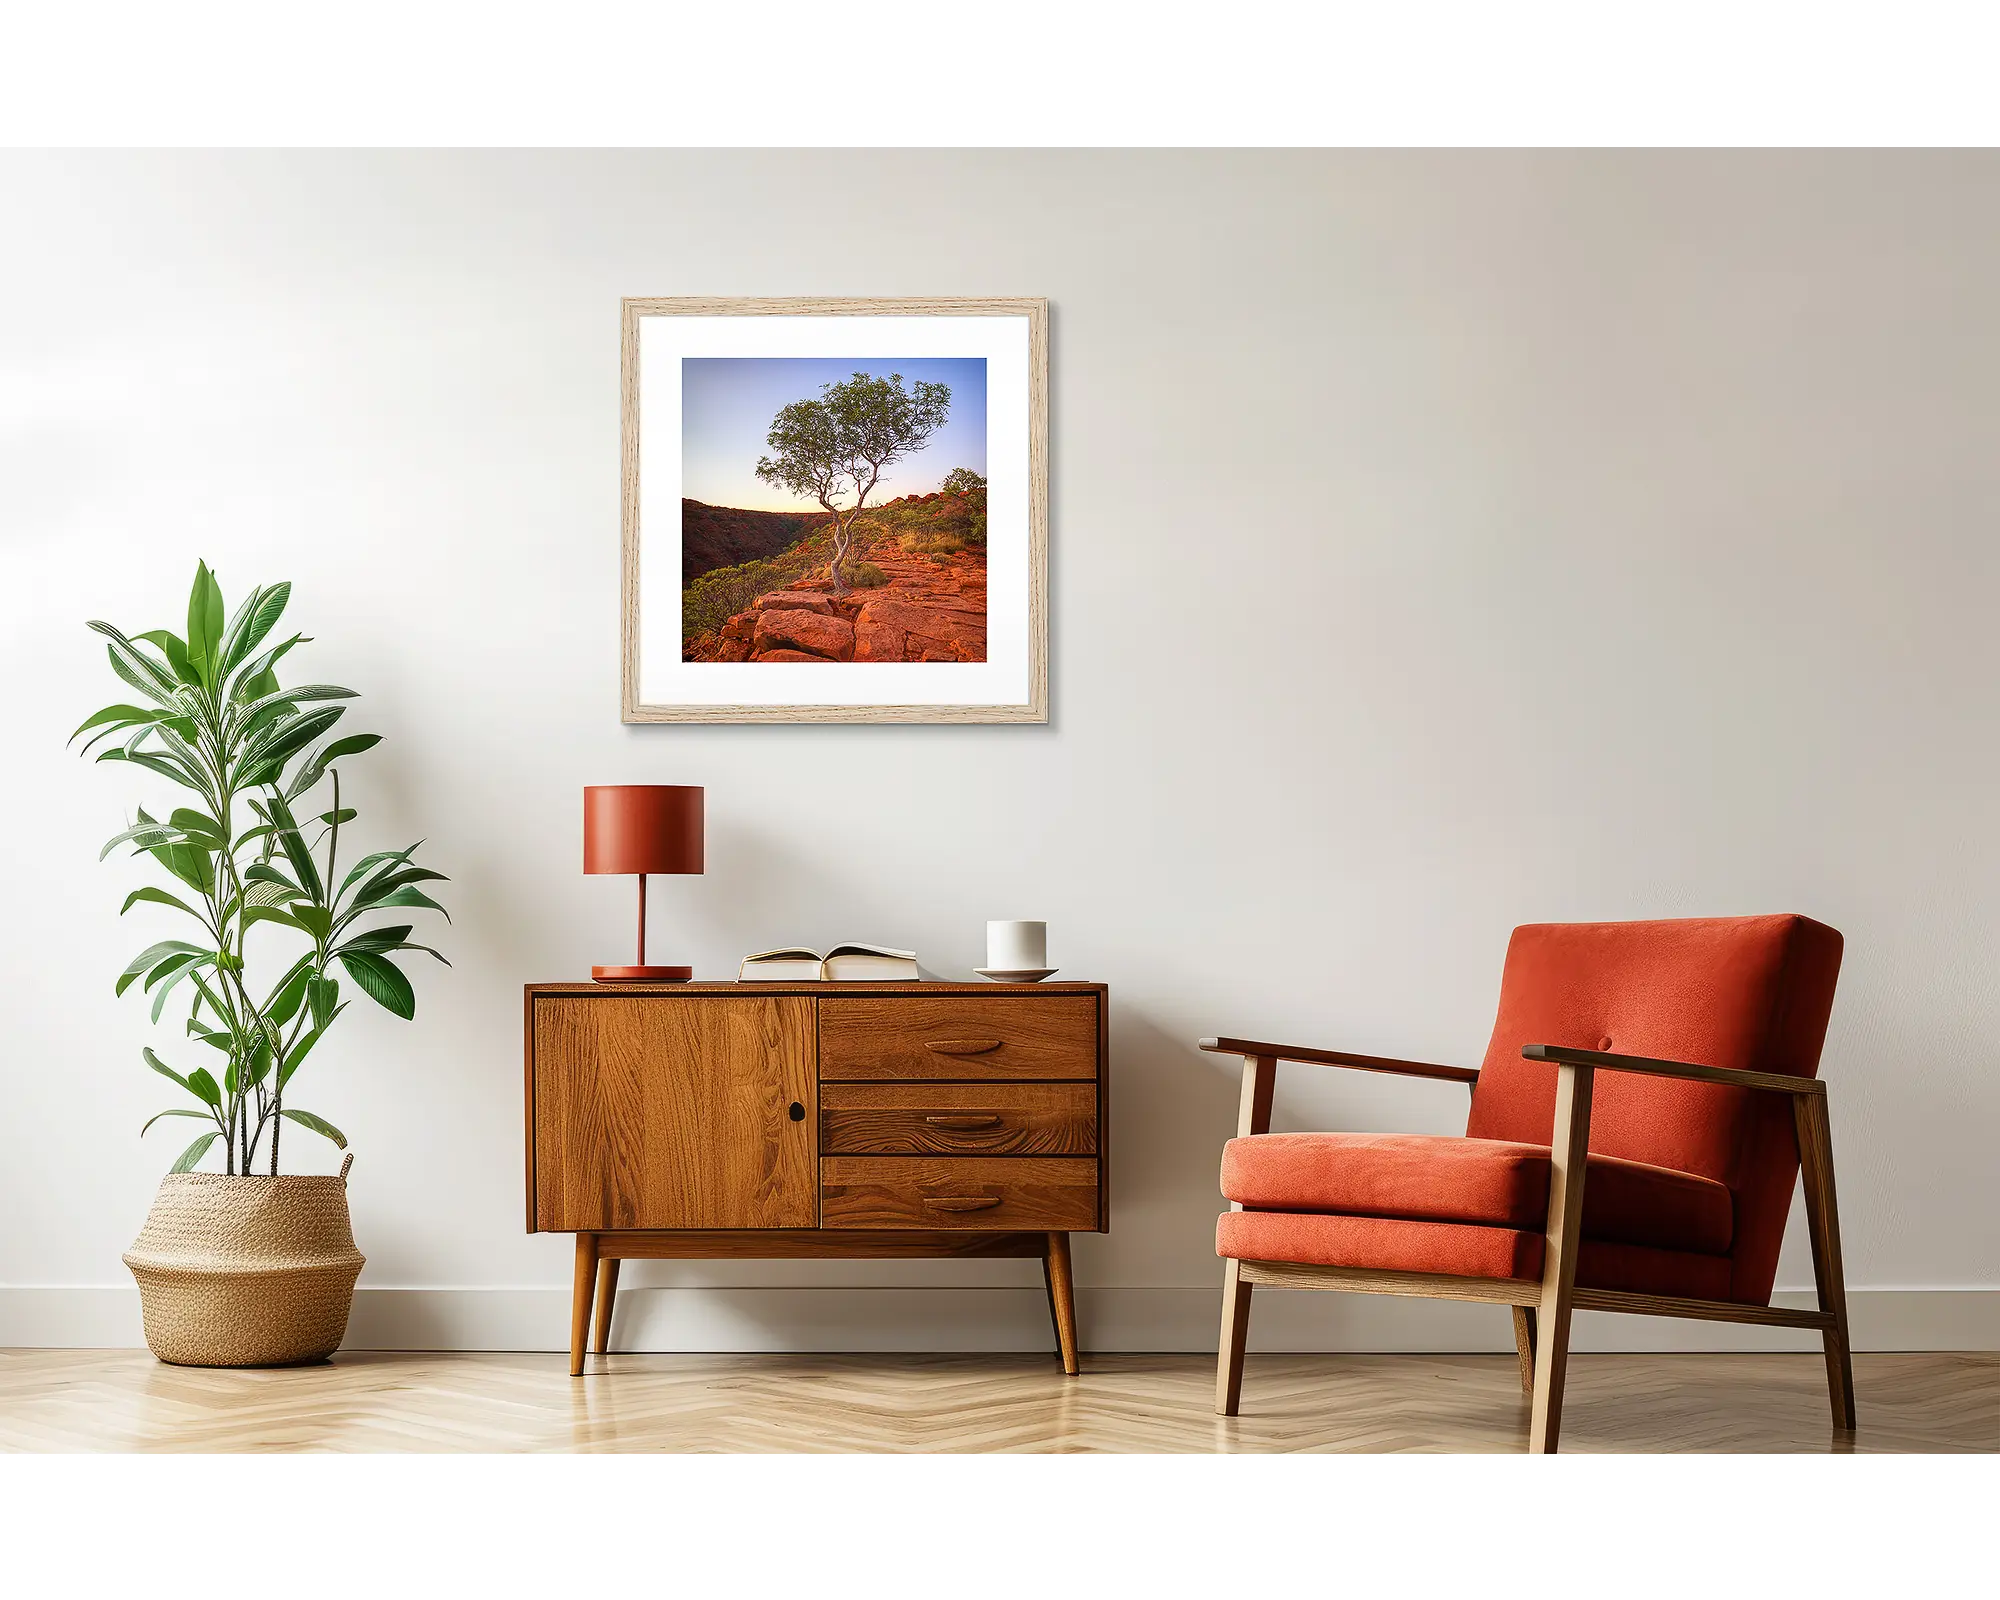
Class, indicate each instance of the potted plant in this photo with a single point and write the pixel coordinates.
(241, 1267)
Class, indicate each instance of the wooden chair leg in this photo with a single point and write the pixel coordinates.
(579, 1305)
(1062, 1295)
(1568, 1152)
(1235, 1334)
(1823, 1223)
(607, 1295)
(1524, 1345)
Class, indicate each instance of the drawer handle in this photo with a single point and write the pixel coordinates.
(962, 1202)
(962, 1122)
(962, 1047)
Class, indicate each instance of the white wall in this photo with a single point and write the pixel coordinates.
(1440, 542)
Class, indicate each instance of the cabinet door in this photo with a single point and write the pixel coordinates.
(659, 1111)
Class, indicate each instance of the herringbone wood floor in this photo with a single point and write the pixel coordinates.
(123, 1400)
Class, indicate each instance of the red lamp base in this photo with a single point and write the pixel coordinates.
(642, 974)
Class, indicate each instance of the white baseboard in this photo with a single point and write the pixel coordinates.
(968, 1319)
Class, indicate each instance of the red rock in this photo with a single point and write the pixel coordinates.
(733, 650)
(828, 637)
(793, 600)
(962, 631)
(789, 655)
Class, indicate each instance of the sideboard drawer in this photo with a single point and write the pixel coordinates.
(996, 1194)
(958, 1036)
(992, 1119)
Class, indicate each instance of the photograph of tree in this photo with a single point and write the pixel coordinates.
(833, 510)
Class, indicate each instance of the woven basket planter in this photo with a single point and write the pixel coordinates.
(245, 1272)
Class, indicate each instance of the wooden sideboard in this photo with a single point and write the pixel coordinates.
(693, 1121)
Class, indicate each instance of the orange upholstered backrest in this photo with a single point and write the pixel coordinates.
(1747, 992)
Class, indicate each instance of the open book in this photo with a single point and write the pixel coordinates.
(844, 963)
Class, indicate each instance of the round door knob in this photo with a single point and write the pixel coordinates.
(797, 1112)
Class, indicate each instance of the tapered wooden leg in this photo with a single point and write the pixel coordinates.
(1062, 1299)
(1568, 1152)
(607, 1295)
(1524, 1345)
(1235, 1334)
(1049, 1285)
(579, 1305)
(1823, 1223)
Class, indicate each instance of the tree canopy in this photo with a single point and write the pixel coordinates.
(839, 444)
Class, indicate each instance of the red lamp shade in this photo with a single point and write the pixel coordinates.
(642, 828)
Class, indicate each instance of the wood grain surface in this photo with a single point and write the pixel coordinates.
(1015, 1119)
(666, 1112)
(958, 1036)
(979, 1192)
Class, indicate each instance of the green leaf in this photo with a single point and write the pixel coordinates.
(151, 957)
(366, 864)
(316, 920)
(379, 939)
(306, 691)
(158, 897)
(269, 892)
(148, 676)
(344, 814)
(146, 835)
(291, 993)
(255, 618)
(382, 981)
(351, 745)
(192, 866)
(205, 625)
(204, 1086)
(191, 1156)
(199, 1116)
(170, 646)
(371, 892)
(426, 949)
(319, 1125)
(164, 1070)
(199, 826)
(321, 993)
(257, 679)
(171, 965)
(123, 716)
(407, 896)
(295, 849)
(173, 982)
(267, 755)
(300, 1050)
(254, 914)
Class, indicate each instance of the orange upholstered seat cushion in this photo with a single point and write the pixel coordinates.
(1494, 1183)
(1462, 1250)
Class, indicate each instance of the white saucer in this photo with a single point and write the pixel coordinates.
(1026, 975)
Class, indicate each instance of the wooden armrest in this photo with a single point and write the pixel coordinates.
(1340, 1058)
(1562, 1055)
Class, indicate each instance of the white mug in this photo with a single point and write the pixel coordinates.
(1017, 946)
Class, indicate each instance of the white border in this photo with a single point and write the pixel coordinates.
(1003, 679)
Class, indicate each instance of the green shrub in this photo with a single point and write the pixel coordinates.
(867, 576)
(933, 542)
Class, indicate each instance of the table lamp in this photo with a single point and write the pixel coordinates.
(643, 828)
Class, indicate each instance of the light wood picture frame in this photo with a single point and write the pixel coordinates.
(915, 589)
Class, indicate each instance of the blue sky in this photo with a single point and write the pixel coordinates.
(727, 404)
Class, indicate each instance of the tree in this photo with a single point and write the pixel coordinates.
(838, 445)
(963, 480)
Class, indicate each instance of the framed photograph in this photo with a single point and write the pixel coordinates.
(836, 510)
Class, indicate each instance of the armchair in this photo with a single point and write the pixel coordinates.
(1588, 1179)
